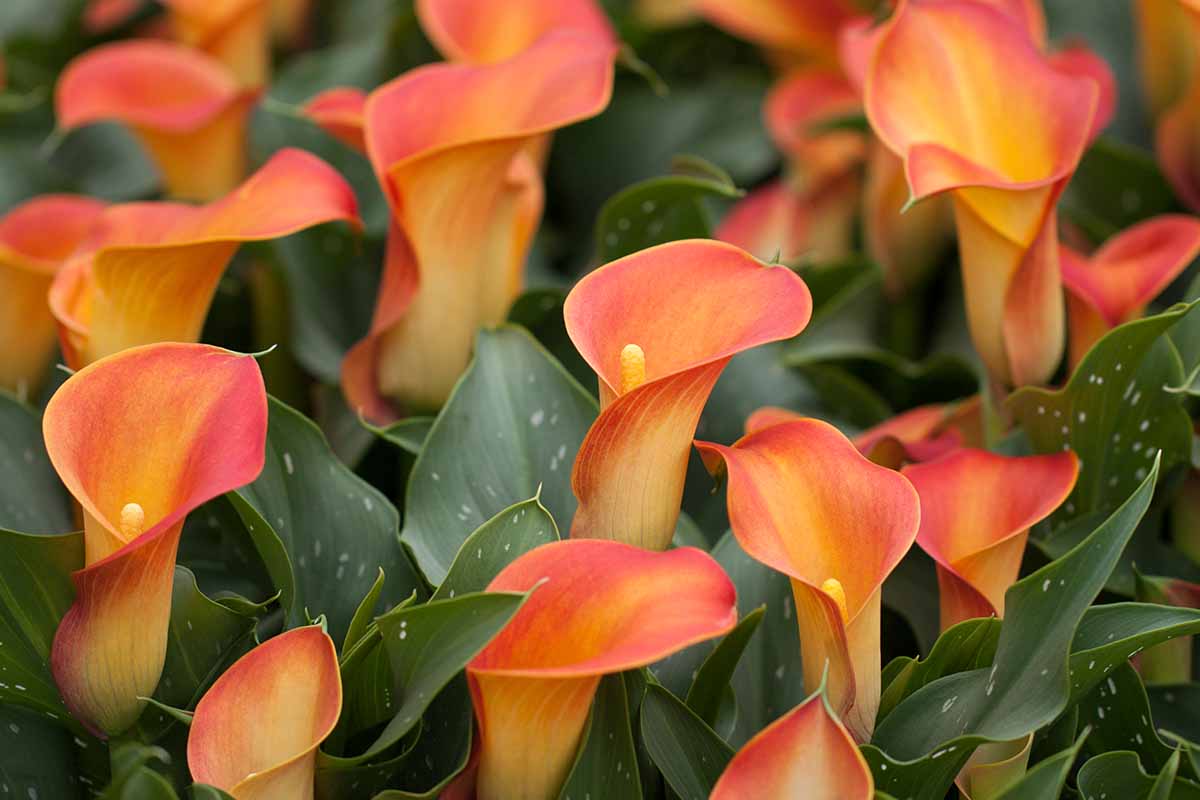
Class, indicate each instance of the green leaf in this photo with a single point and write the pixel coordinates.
(1177, 710)
(606, 765)
(39, 758)
(323, 532)
(497, 543)
(32, 499)
(1115, 186)
(1119, 714)
(513, 424)
(1113, 413)
(427, 645)
(713, 677)
(202, 791)
(35, 593)
(689, 754)
(966, 646)
(928, 736)
(1046, 779)
(1119, 774)
(364, 615)
(540, 311)
(660, 210)
(1111, 634)
(407, 434)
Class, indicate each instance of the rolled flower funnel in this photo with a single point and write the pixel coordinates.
(187, 110)
(234, 32)
(150, 271)
(805, 502)
(596, 608)
(1005, 153)
(141, 439)
(256, 730)
(458, 150)
(485, 32)
(35, 239)
(1116, 283)
(976, 511)
(805, 753)
(339, 112)
(658, 327)
(794, 29)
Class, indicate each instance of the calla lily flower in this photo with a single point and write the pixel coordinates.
(805, 753)
(1005, 153)
(976, 511)
(185, 108)
(140, 439)
(35, 239)
(151, 271)
(340, 113)
(777, 220)
(1185, 517)
(486, 32)
(256, 730)
(646, 324)
(1169, 31)
(596, 608)
(993, 768)
(1171, 661)
(290, 20)
(919, 434)
(796, 29)
(234, 32)
(805, 502)
(458, 149)
(1120, 279)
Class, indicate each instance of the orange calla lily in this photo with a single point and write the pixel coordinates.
(35, 239)
(150, 273)
(1005, 152)
(645, 324)
(458, 149)
(805, 502)
(234, 32)
(187, 110)
(290, 21)
(976, 511)
(256, 730)
(485, 32)
(1169, 34)
(140, 439)
(340, 113)
(596, 608)
(805, 753)
(1120, 279)
(777, 220)
(797, 29)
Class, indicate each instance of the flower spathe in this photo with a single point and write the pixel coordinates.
(457, 149)
(1116, 283)
(35, 239)
(485, 32)
(658, 327)
(1005, 152)
(150, 270)
(256, 730)
(805, 753)
(596, 608)
(976, 511)
(187, 110)
(140, 439)
(339, 112)
(796, 29)
(805, 502)
(234, 32)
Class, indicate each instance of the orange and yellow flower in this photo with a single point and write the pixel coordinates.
(149, 272)
(795, 30)
(805, 753)
(1169, 34)
(596, 608)
(458, 150)
(35, 239)
(140, 439)
(1116, 283)
(187, 110)
(1004, 152)
(486, 32)
(805, 502)
(256, 730)
(976, 511)
(658, 327)
(340, 112)
(234, 32)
